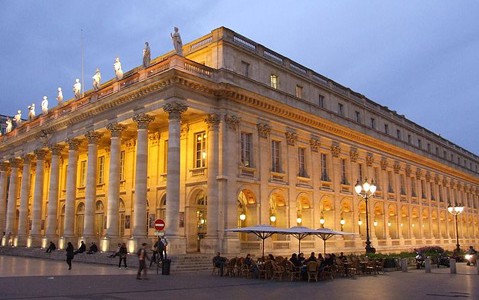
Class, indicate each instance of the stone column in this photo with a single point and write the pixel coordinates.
(112, 229)
(24, 197)
(68, 231)
(12, 198)
(174, 110)
(52, 209)
(90, 189)
(35, 233)
(230, 152)
(139, 204)
(3, 195)
(211, 242)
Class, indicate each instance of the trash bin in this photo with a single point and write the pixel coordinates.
(165, 267)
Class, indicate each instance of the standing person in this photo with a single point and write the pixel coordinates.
(70, 254)
(122, 252)
(219, 262)
(142, 257)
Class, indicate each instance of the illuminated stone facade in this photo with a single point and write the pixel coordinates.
(231, 127)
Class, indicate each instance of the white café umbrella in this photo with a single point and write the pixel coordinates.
(261, 231)
(326, 234)
(300, 232)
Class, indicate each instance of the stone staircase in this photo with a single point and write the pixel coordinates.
(195, 262)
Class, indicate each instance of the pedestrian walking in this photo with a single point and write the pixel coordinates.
(142, 257)
(70, 254)
(122, 252)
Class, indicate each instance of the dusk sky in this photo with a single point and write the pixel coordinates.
(419, 58)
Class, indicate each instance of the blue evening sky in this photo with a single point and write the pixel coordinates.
(419, 58)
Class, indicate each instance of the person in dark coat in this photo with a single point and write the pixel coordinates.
(51, 248)
(122, 252)
(82, 248)
(70, 254)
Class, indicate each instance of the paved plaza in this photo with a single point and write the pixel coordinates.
(30, 278)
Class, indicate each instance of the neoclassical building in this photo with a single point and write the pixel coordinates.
(231, 128)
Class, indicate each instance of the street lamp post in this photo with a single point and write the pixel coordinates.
(366, 191)
(455, 211)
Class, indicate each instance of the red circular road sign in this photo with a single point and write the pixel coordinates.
(159, 224)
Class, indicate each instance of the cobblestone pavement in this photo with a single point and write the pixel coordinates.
(29, 278)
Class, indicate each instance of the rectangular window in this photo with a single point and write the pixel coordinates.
(245, 67)
(428, 147)
(413, 187)
(122, 165)
(373, 123)
(200, 150)
(101, 170)
(321, 101)
(324, 167)
(419, 143)
(377, 179)
(433, 197)
(301, 162)
(423, 189)
(246, 147)
(409, 138)
(360, 173)
(165, 159)
(299, 91)
(386, 128)
(390, 182)
(403, 184)
(358, 116)
(344, 174)
(275, 156)
(398, 134)
(82, 173)
(341, 109)
(274, 81)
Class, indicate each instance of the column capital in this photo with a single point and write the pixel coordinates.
(73, 143)
(232, 121)
(213, 120)
(175, 109)
(115, 129)
(143, 120)
(15, 162)
(3, 166)
(263, 130)
(40, 154)
(56, 149)
(27, 158)
(93, 137)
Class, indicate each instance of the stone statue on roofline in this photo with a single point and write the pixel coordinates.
(77, 89)
(146, 55)
(60, 96)
(96, 80)
(9, 125)
(118, 70)
(45, 105)
(31, 112)
(177, 43)
(18, 118)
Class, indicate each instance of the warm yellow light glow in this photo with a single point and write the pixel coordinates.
(342, 222)
(360, 222)
(375, 223)
(242, 216)
(272, 218)
(299, 220)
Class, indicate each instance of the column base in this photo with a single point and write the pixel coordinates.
(176, 245)
(232, 246)
(21, 241)
(35, 241)
(209, 245)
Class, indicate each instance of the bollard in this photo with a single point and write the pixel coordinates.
(452, 264)
(404, 264)
(428, 264)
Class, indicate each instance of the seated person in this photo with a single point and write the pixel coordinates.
(328, 261)
(51, 247)
(295, 261)
(81, 249)
(270, 257)
(219, 262)
(93, 249)
(312, 257)
(301, 258)
(251, 265)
